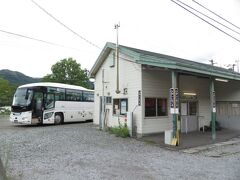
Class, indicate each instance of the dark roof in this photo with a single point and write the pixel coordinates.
(166, 61)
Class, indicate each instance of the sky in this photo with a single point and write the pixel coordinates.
(154, 25)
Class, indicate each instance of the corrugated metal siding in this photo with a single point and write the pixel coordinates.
(228, 104)
(228, 114)
(229, 91)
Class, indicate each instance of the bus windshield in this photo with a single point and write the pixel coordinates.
(22, 97)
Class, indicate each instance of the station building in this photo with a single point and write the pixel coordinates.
(145, 79)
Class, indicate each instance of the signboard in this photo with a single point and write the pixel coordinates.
(139, 98)
(174, 101)
(213, 102)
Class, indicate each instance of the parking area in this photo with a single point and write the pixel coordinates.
(81, 151)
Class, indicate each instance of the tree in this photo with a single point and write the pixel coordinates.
(68, 71)
(6, 92)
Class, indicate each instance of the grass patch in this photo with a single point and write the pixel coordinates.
(119, 131)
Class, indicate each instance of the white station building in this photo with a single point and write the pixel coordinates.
(145, 80)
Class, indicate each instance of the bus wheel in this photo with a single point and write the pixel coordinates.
(58, 119)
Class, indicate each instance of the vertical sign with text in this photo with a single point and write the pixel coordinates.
(139, 98)
(174, 101)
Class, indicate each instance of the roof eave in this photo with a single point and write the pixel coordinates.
(107, 48)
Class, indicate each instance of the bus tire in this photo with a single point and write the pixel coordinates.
(58, 119)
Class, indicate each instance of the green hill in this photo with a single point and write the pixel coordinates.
(15, 77)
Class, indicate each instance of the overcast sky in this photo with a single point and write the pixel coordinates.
(155, 25)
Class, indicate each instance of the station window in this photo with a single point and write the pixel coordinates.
(192, 108)
(120, 106)
(155, 107)
(108, 100)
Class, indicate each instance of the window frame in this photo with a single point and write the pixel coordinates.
(87, 96)
(46, 99)
(120, 101)
(156, 107)
(108, 100)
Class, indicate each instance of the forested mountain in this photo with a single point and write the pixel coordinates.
(15, 77)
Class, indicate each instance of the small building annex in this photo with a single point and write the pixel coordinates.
(145, 80)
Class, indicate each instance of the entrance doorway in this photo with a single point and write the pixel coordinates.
(189, 116)
(38, 106)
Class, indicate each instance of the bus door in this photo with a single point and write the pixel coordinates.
(38, 105)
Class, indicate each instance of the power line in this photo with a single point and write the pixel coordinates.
(35, 39)
(208, 17)
(51, 43)
(215, 14)
(206, 21)
(73, 30)
(89, 42)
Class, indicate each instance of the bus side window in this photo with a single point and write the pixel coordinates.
(49, 102)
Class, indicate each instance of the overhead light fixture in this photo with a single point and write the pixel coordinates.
(189, 94)
(222, 80)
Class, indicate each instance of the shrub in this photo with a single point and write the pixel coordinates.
(5, 111)
(119, 131)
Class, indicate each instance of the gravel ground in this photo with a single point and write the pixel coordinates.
(80, 151)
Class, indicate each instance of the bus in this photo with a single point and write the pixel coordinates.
(51, 103)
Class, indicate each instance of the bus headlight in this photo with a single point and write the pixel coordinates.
(48, 115)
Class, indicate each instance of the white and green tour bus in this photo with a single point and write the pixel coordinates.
(51, 103)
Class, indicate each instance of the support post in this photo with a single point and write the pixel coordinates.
(174, 114)
(213, 109)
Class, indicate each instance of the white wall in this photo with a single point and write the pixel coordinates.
(156, 83)
(130, 78)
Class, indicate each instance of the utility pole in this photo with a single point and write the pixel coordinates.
(237, 64)
(233, 65)
(116, 26)
(212, 62)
